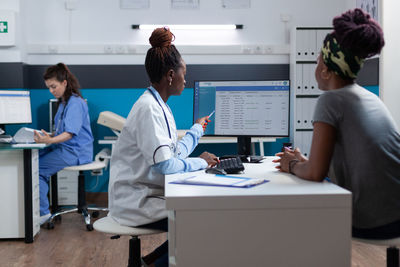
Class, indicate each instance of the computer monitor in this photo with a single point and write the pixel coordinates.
(244, 109)
(15, 107)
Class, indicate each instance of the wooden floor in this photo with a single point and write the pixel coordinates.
(69, 244)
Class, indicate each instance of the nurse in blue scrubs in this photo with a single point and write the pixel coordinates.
(72, 142)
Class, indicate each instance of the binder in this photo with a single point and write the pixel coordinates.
(206, 179)
(299, 113)
(313, 83)
(301, 44)
(306, 79)
(312, 45)
(299, 79)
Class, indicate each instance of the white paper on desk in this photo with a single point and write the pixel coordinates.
(219, 180)
(25, 135)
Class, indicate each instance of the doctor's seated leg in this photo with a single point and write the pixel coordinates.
(50, 163)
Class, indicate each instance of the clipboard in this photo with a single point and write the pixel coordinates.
(206, 179)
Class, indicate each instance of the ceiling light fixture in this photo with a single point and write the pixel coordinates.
(189, 26)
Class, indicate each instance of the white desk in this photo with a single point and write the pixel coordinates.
(208, 140)
(285, 222)
(19, 191)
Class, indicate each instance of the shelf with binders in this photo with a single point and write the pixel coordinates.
(305, 47)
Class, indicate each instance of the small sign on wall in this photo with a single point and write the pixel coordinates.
(7, 28)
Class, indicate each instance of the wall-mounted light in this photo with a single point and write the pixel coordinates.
(189, 26)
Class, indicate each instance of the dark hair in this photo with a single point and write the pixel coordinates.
(162, 56)
(61, 72)
(358, 33)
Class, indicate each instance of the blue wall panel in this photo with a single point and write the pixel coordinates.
(120, 101)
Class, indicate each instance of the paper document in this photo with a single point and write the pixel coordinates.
(25, 135)
(219, 180)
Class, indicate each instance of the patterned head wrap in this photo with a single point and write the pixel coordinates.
(340, 60)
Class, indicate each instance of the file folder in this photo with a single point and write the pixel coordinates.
(206, 179)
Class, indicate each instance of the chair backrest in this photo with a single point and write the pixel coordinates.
(111, 120)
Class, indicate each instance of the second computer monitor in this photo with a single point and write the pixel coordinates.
(15, 107)
(244, 108)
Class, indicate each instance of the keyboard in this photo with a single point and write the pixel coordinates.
(6, 139)
(231, 165)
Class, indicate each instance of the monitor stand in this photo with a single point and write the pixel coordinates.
(244, 145)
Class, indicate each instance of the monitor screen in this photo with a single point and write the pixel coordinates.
(244, 108)
(15, 107)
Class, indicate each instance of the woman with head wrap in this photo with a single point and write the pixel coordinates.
(356, 142)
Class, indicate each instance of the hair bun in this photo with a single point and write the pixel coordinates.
(161, 37)
(356, 31)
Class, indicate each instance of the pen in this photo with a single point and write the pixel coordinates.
(212, 113)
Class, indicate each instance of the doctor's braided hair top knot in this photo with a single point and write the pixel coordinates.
(61, 72)
(358, 33)
(162, 56)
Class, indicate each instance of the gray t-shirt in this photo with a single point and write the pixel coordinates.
(366, 158)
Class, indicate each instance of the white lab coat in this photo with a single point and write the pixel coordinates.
(135, 190)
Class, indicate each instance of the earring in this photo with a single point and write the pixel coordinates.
(170, 82)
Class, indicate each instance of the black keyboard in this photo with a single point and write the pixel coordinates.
(231, 165)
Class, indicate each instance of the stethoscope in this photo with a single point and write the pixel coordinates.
(60, 119)
(165, 115)
(172, 147)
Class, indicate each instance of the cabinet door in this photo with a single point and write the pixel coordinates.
(12, 194)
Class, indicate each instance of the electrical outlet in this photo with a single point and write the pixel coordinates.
(120, 49)
(108, 49)
(268, 49)
(131, 49)
(258, 49)
(71, 4)
(286, 17)
(247, 50)
(53, 49)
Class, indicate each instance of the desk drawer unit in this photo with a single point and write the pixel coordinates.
(67, 187)
(12, 204)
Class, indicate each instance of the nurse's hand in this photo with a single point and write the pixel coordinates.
(42, 137)
(211, 159)
(203, 121)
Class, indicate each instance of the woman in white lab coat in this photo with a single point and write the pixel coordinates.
(148, 147)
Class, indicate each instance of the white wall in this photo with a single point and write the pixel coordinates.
(390, 58)
(49, 29)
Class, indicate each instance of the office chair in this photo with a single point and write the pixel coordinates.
(110, 226)
(392, 250)
(81, 208)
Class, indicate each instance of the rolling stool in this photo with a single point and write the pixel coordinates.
(81, 207)
(110, 226)
(392, 251)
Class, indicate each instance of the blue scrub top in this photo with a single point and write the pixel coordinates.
(74, 118)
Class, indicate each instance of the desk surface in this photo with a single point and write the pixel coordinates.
(285, 222)
(294, 190)
(22, 146)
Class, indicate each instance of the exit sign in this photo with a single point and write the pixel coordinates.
(3, 27)
(7, 28)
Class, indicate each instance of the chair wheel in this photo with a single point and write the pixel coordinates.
(49, 225)
(95, 214)
(89, 227)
